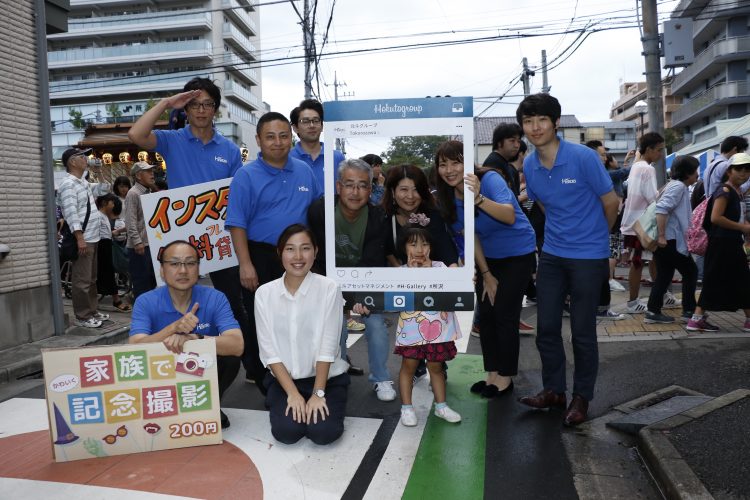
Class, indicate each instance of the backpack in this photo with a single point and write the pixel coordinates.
(697, 237)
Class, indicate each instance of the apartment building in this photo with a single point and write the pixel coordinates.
(119, 56)
(626, 107)
(716, 85)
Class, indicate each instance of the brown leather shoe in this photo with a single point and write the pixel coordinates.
(545, 399)
(576, 412)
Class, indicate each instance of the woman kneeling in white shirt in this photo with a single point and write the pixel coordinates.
(299, 328)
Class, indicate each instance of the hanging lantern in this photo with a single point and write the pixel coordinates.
(107, 158)
(124, 157)
(160, 161)
(143, 156)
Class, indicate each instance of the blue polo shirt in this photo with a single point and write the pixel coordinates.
(189, 161)
(500, 240)
(264, 200)
(576, 227)
(153, 311)
(317, 165)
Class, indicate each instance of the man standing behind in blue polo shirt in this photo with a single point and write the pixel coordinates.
(267, 195)
(195, 154)
(307, 122)
(575, 192)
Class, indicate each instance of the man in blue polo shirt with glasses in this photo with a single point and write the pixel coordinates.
(575, 192)
(182, 310)
(195, 154)
(266, 196)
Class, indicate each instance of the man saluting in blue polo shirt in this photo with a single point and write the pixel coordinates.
(196, 154)
(182, 310)
(575, 192)
(266, 196)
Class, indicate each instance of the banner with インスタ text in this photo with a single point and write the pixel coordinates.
(195, 214)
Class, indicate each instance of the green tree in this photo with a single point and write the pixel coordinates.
(113, 110)
(151, 103)
(76, 118)
(418, 150)
(672, 136)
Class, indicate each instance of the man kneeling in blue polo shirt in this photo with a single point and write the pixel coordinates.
(183, 310)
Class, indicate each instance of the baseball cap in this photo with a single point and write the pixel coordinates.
(741, 159)
(70, 152)
(139, 167)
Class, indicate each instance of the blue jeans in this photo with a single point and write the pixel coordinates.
(582, 279)
(378, 347)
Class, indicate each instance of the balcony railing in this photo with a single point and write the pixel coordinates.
(236, 63)
(147, 20)
(232, 33)
(720, 50)
(122, 85)
(238, 12)
(232, 89)
(94, 55)
(730, 90)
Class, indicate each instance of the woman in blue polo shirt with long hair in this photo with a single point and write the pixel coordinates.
(504, 252)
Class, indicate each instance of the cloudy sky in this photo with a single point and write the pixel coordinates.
(370, 49)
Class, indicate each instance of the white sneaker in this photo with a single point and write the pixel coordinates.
(615, 286)
(671, 302)
(88, 323)
(447, 414)
(100, 316)
(636, 307)
(384, 390)
(408, 417)
(609, 314)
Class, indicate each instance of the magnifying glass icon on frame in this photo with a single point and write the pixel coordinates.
(369, 301)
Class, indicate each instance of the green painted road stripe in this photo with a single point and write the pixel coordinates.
(450, 459)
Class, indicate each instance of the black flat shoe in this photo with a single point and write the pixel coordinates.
(491, 391)
(478, 387)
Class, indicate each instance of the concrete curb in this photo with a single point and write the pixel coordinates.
(32, 364)
(671, 471)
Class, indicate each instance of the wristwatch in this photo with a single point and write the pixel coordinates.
(481, 200)
(320, 393)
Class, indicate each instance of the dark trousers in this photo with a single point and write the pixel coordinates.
(498, 323)
(141, 272)
(226, 368)
(605, 294)
(227, 281)
(668, 259)
(582, 278)
(268, 266)
(287, 431)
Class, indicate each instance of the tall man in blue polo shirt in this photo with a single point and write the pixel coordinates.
(569, 183)
(195, 154)
(182, 310)
(307, 122)
(267, 195)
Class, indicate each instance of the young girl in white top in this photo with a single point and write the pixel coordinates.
(427, 335)
(299, 319)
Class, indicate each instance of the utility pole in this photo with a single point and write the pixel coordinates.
(340, 143)
(525, 77)
(545, 83)
(307, 44)
(652, 55)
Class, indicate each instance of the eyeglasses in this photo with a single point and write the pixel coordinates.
(310, 121)
(175, 264)
(351, 186)
(202, 105)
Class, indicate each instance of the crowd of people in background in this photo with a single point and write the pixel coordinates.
(550, 226)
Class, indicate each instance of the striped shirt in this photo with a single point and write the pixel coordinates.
(72, 197)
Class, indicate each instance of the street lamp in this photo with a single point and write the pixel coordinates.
(641, 107)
